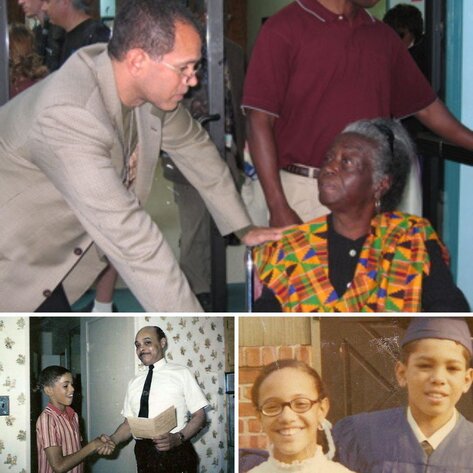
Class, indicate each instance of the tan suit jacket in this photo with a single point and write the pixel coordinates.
(62, 161)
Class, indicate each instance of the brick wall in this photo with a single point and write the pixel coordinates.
(251, 359)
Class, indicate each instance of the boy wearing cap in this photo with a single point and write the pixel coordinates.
(430, 435)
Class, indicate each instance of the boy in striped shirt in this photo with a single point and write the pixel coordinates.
(57, 428)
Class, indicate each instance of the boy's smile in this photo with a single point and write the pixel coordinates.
(436, 376)
(62, 393)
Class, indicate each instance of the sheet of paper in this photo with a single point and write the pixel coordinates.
(144, 428)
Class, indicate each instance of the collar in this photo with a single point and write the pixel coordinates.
(309, 464)
(313, 7)
(158, 365)
(69, 412)
(438, 436)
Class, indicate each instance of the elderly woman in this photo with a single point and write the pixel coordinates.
(364, 256)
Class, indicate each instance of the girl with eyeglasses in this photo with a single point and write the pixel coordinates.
(292, 406)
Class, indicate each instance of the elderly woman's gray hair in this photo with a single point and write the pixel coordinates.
(395, 153)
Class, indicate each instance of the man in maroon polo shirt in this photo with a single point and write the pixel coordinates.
(318, 65)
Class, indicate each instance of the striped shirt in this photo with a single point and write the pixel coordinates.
(57, 429)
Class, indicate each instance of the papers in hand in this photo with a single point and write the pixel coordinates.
(144, 428)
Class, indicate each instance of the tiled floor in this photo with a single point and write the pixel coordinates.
(125, 301)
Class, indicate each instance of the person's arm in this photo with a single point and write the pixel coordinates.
(169, 441)
(439, 291)
(63, 464)
(260, 135)
(79, 158)
(122, 434)
(195, 155)
(439, 119)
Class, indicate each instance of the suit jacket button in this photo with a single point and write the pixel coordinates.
(47, 293)
(77, 251)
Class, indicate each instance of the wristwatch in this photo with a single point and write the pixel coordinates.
(181, 437)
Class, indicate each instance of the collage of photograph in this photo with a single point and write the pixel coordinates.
(188, 394)
(236, 236)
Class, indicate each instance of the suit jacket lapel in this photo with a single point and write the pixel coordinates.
(149, 143)
(148, 124)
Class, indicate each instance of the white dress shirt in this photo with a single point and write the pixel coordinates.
(172, 385)
(436, 438)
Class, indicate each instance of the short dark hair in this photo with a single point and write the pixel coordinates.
(83, 5)
(50, 375)
(160, 334)
(403, 17)
(149, 25)
(395, 153)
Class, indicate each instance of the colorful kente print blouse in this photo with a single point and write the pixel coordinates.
(388, 275)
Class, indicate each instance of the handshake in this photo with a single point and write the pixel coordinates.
(104, 445)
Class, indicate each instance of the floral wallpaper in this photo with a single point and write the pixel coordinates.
(14, 382)
(198, 343)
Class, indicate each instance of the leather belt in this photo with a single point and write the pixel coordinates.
(300, 170)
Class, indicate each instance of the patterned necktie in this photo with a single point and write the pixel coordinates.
(428, 449)
(144, 401)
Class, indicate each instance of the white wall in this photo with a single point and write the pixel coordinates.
(15, 383)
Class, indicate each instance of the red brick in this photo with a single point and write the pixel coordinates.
(244, 441)
(241, 426)
(303, 353)
(286, 353)
(270, 354)
(244, 393)
(241, 357)
(253, 356)
(254, 426)
(246, 409)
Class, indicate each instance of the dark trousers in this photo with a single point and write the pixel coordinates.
(181, 459)
(56, 302)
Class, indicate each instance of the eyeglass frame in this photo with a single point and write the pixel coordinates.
(289, 404)
(179, 70)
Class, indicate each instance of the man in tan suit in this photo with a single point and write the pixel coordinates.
(77, 158)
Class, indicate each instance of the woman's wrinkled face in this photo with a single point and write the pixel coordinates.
(293, 435)
(346, 176)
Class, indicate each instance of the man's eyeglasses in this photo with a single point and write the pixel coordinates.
(299, 405)
(185, 72)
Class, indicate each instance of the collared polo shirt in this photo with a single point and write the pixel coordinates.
(172, 385)
(317, 72)
(55, 428)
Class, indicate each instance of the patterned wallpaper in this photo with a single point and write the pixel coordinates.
(198, 343)
(14, 382)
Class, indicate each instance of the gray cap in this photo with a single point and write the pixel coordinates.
(447, 328)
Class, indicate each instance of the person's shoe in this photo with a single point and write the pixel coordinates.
(205, 299)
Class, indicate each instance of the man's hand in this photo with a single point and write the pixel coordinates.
(259, 235)
(166, 442)
(105, 445)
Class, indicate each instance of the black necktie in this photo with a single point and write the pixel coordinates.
(144, 401)
(428, 449)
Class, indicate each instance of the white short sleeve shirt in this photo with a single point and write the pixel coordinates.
(172, 385)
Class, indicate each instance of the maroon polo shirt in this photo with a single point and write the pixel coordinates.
(316, 73)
